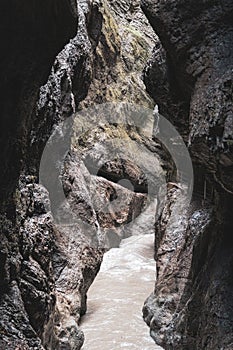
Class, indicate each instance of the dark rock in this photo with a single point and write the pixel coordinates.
(190, 77)
(32, 36)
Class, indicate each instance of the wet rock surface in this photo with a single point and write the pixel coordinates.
(190, 77)
(101, 199)
(91, 53)
(47, 266)
(29, 300)
(27, 297)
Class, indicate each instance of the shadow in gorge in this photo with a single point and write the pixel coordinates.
(211, 275)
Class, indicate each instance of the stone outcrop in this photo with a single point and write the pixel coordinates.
(30, 48)
(125, 43)
(31, 36)
(190, 77)
(62, 58)
(90, 219)
(103, 196)
(54, 55)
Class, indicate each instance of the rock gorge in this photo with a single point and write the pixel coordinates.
(190, 77)
(61, 58)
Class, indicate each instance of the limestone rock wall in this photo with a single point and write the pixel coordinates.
(113, 40)
(95, 57)
(190, 77)
(32, 36)
(54, 55)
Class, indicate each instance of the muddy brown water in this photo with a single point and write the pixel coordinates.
(114, 317)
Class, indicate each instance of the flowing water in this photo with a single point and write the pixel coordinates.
(115, 299)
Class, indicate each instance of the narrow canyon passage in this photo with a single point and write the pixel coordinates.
(115, 299)
(116, 129)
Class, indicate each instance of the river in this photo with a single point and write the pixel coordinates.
(115, 299)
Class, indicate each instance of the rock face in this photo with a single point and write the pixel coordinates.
(60, 59)
(93, 198)
(190, 77)
(29, 258)
(104, 193)
(29, 52)
(125, 43)
(47, 265)
(27, 297)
